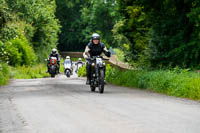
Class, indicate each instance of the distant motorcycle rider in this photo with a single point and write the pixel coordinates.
(77, 64)
(79, 60)
(68, 59)
(54, 54)
(94, 48)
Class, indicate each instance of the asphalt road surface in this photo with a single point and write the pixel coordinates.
(66, 105)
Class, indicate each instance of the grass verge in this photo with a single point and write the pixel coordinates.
(25, 72)
(4, 74)
(29, 72)
(176, 82)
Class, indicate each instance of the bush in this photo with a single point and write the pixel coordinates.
(82, 71)
(18, 52)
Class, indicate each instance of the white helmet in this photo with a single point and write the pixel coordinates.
(54, 51)
(95, 36)
(67, 57)
(79, 59)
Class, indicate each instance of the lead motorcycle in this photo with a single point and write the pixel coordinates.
(97, 73)
(53, 66)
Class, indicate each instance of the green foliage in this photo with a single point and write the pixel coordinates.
(100, 17)
(4, 73)
(9, 31)
(120, 54)
(120, 40)
(176, 82)
(86, 17)
(82, 71)
(21, 72)
(34, 20)
(27, 72)
(132, 30)
(68, 12)
(17, 52)
(162, 33)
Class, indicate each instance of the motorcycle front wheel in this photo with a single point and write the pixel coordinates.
(68, 75)
(101, 81)
(92, 88)
(53, 75)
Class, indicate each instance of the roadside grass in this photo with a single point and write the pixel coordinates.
(26, 72)
(176, 82)
(82, 71)
(4, 74)
(29, 72)
(181, 83)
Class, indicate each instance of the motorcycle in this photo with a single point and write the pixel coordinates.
(53, 66)
(68, 68)
(97, 73)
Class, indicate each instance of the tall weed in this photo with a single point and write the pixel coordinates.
(4, 73)
(30, 72)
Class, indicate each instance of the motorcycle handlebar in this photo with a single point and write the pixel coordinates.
(93, 58)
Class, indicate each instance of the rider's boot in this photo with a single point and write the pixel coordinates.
(58, 71)
(47, 70)
(88, 81)
(58, 68)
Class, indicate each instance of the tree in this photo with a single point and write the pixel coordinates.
(33, 19)
(68, 12)
(170, 28)
(100, 17)
(86, 17)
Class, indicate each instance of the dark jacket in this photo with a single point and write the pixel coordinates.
(95, 50)
(56, 55)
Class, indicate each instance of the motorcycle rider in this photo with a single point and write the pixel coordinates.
(68, 61)
(79, 62)
(54, 54)
(94, 48)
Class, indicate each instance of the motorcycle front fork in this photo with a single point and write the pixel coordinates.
(95, 76)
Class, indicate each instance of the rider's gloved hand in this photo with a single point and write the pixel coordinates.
(87, 58)
(108, 54)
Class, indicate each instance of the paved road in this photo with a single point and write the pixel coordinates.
(64, 105)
